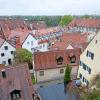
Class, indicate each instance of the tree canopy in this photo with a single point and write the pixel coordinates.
(67, 76)
(22, 56)
(65, 20)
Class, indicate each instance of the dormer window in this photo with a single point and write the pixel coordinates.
(72, 59)
(3, 73)
(15, 95)
(60, 60)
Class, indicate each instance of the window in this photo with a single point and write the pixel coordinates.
(90, 54)
(81, 64)
(89, 70)
(6, 47)
(87, 53)
(41, 73)
(12, 52)
(4, 62)
(80, 75)
(2, 54)
(28, 43)
(61, 71)
(72, 59)
(15, 95)
(84, 66)
(83, 79)
(9, 61)
(32, 43)
(59, 60)
(3, 73)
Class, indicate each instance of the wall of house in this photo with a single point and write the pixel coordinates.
(49, 74)
(30, 43)
(43, 47)
(93, 64)
(7, 53)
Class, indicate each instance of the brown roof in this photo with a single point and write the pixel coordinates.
(1, 41)
(73, 39)
(21, 34)
(17, 78)
(47, 31)
(47, 60)
(90, 23)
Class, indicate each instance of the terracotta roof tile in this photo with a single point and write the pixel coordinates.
(1, 41)
(67, 39)
(17, 78)
(90, 23)
(47, 60)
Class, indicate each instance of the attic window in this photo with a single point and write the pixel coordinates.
(60, 60)
(72, 59)
(15, 95)
(3, 73)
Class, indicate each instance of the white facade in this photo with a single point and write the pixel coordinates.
(43, 47)
(6, 53)
(90, 61)
(30, 43)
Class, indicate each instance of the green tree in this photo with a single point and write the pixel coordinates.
(67, 76)
(65, 20)
(22, 56)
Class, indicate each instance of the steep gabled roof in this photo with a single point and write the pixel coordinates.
(1, 41)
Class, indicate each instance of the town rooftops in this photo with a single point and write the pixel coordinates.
(73, 39)
(90, 23)
(48, 60)
(46, 31)
(16, 78)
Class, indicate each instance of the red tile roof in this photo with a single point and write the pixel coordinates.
(1, 41)
(43, 41)
(19, 34)
(90, 23)
(47, 31)
(73, 39)
(47, 60)
(17, 78)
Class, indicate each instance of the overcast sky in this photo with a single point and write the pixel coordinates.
(49, 7)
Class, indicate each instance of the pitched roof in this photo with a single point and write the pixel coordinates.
(73, 39)
(91, 23)
(1, 41)
(17, 78)
(47, 31)
(21, 34)
(48, 60)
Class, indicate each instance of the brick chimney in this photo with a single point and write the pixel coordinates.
(18, 44)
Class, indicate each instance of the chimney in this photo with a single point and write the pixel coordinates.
(17, 44)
